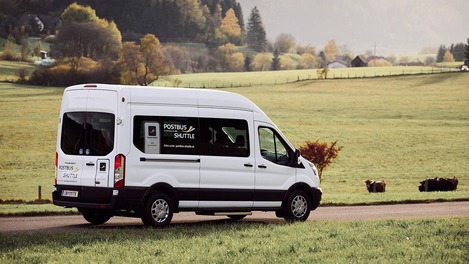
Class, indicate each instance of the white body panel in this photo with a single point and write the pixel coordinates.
(245, 180)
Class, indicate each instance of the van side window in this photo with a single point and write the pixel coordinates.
(166, 135)
(224, 137)
(191, 136)
(273, 148)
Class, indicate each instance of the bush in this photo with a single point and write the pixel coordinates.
(320, 154)
(63, 75)
(22, 74)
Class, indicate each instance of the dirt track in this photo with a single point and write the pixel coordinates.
(76, 223)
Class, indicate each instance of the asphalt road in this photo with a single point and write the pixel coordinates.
(76, 223)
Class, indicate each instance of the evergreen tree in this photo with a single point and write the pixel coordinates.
(466, 52)
(458, 52)
(276, 61)
(247, 63)
(256, 36)
(441, 53)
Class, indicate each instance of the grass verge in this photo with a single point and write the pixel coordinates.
(385, 241)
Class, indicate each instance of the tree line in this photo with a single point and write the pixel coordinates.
(96, 41)
(455, 52)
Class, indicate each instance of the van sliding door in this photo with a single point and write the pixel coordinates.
(226, 161)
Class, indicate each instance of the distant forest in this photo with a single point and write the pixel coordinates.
(169, 20)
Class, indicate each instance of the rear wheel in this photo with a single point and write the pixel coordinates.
(158, 210)
(95, 217)
(297, 207)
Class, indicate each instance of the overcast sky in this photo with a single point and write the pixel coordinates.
(396, 26)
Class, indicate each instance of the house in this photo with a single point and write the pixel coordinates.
(337, 64)
(39, 24)
(359, 61)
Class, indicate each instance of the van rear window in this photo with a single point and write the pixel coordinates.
(87, 133)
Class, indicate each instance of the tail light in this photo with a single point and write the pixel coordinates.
(56, 165)
(119, 171)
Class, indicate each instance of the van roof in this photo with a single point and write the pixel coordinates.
(205, 98)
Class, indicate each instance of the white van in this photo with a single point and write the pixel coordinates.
(151, 152)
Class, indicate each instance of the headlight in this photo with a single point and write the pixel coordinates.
(313, 168)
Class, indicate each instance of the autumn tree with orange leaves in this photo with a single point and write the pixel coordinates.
(320, 154)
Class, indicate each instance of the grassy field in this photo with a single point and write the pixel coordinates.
(399, 129)
(269, 78)
(9, 69)
(386, 241)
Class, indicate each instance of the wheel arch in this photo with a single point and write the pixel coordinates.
(310, 191)
(163, 188)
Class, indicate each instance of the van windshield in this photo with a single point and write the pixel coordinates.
(87, 133)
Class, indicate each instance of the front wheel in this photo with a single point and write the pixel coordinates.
(95, 217)
(158, 210)
(297, 207)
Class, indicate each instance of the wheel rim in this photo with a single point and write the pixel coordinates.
(299, 206)
(160, 210)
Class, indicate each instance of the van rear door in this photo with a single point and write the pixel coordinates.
(87, 140)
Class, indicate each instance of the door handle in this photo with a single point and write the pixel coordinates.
(89, 164)
(249, 165)
(262, 166)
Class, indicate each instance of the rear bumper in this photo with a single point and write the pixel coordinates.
(127, 198)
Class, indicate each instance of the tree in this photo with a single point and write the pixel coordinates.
(256, 36)
(262, 62)
(229, 58)
(37, 49)
(276, 61)
(320, 154)
(191, 16)
(9, 52)
(247, 64)
(286, 63)
(284, 42)
(230, 27)
(79, 14)
(143, 64)
(429, 60)
(448, 57)
(441, 53)
(177, 56)
(24, 49)
(466, 52)
(307, 61)
(458, 51)
(331, 50)
(83, 34)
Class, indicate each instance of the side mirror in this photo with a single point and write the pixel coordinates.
(297, 156)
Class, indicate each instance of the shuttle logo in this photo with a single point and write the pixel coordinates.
(180, 131)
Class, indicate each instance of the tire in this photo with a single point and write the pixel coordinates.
(158, 210)
(297, 207)
(236, 217)
(96, 217)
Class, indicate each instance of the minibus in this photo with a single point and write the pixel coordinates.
(150, 152)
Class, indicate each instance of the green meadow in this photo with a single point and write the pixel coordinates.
(386, 241)
(401, 129)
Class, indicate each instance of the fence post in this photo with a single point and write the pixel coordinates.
(39, 192)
